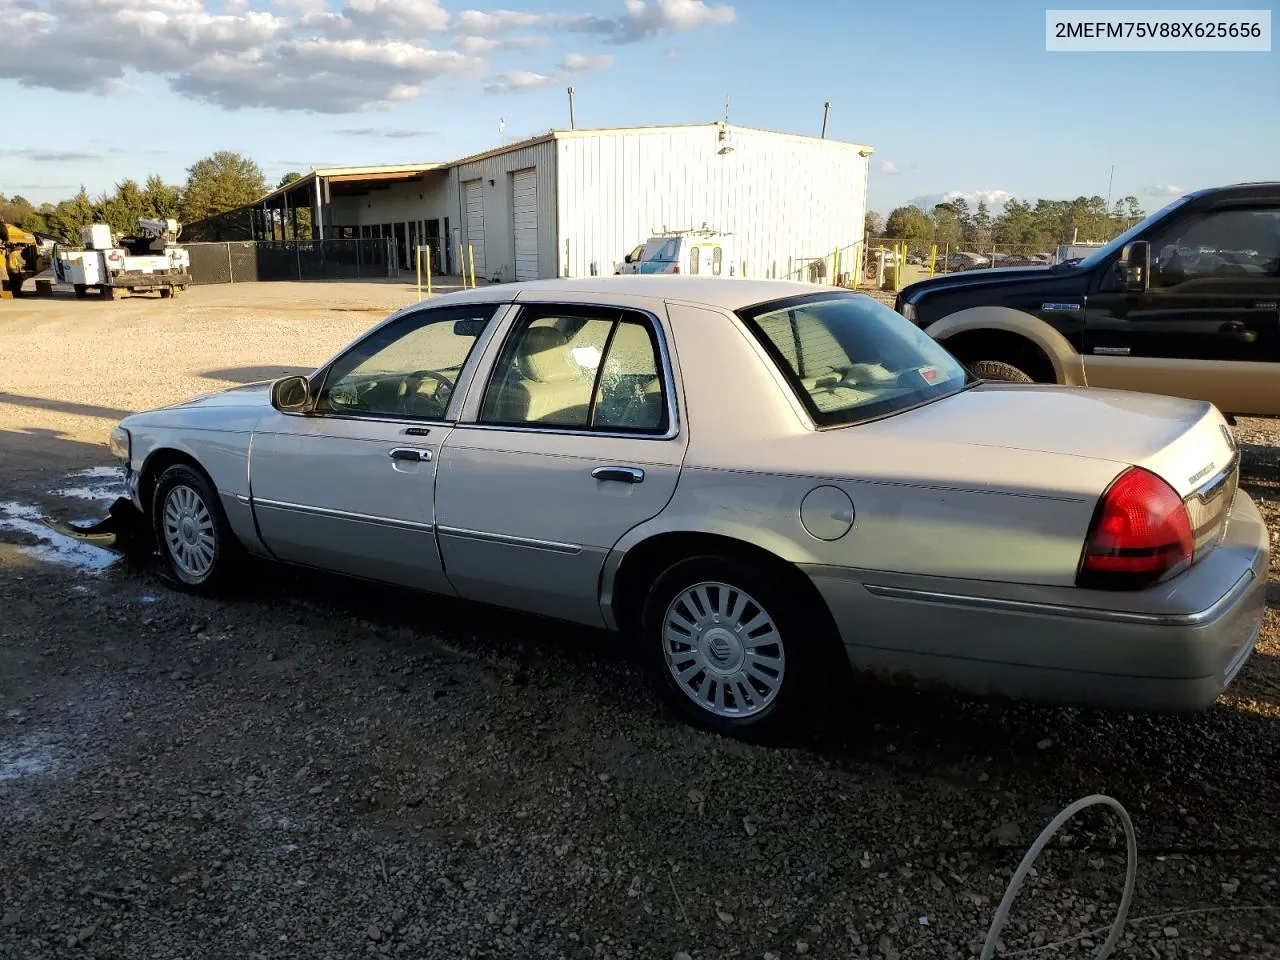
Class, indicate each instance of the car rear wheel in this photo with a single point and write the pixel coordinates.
(729, 646)
(197, 547)
(999, 370)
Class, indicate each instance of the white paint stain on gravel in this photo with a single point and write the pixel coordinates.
(26, 758)
(95, 484)
(54, 547)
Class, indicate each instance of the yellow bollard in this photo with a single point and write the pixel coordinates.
(428, 273)
(471, 258)
(933, 258)
(417, 263)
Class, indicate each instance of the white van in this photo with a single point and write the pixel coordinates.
(700, 254)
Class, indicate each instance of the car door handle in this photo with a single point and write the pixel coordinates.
(410, 453)
(619, 474)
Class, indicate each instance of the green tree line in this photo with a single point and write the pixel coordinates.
(1043, 224)
(216, 184)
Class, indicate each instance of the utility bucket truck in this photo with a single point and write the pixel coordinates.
(151, 260)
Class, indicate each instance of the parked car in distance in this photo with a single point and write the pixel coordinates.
(697, 253)
(1186, 303)
(754, 481)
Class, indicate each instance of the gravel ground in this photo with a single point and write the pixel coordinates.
(326, 769)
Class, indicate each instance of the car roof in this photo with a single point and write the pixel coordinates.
(727, 293)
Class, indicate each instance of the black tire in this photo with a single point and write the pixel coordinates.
(166, 292)
(999, 370)
(802, 641)
(81, 290)
(190, 491)
(107, 293)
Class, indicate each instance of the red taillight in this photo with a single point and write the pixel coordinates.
(676, 268)
(1140, 533)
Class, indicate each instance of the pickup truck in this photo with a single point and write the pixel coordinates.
(1184, 303)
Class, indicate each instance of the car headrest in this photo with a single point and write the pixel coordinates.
(546, 358)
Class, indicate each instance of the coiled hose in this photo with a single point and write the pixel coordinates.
(1047, 834)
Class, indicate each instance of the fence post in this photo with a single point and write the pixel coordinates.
(835, 268)
(231, 270)
(297, 256)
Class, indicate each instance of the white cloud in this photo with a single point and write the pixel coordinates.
(572, 65)
(889, 168)
(52, 156)
(1163, 190)
(483, 46)
(994, 199)
(389, 134)
(578, 63)
(293, 56)
(643, 19)
(387, 17)
(520, 80)
(639, 19)
(486, 23)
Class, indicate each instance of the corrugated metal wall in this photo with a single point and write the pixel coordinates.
(499, 226)
(784, 198)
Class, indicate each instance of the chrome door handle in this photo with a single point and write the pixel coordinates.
(620, 474)
(411, 453)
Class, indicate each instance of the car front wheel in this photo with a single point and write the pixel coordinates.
(196, 544)
(730, 647)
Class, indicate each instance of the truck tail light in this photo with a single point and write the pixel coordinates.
(675, 268)
(1140, 533)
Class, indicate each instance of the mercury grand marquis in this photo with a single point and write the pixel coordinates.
(743, 477)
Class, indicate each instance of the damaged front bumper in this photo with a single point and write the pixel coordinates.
(124, 529)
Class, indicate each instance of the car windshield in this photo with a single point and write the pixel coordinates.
(1107, 250)
(851, 359)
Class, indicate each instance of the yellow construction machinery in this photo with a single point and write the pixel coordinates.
(22, 256)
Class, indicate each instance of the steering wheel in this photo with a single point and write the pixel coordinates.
(411, 383)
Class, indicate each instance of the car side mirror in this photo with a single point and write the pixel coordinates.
(1135, 265)
(291, 394)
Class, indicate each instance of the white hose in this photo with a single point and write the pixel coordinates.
(1047, 834)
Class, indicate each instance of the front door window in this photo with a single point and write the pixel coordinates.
(408, 368)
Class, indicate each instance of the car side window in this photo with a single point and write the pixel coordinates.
(1240, 243)
(593, 369)
(408, 368)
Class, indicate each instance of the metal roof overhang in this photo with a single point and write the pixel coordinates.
(346, 182)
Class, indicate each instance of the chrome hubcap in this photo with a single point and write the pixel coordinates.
(723, 649)
(188, 532)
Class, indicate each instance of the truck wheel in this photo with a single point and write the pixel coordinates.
(166, 292)
(81, 289)
(107, 293)
(999, 370)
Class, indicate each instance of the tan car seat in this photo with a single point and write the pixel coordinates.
(553, 388)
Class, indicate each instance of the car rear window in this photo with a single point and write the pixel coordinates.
(851, 359)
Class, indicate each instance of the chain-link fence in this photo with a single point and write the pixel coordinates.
(364, 258)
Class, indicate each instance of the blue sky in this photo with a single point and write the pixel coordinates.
(953, 96)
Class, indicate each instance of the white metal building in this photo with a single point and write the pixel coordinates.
(574, 202)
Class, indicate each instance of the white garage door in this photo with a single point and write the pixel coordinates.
(474, 195)
(524, 208)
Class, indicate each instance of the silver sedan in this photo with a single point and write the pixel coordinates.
(752, 480)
